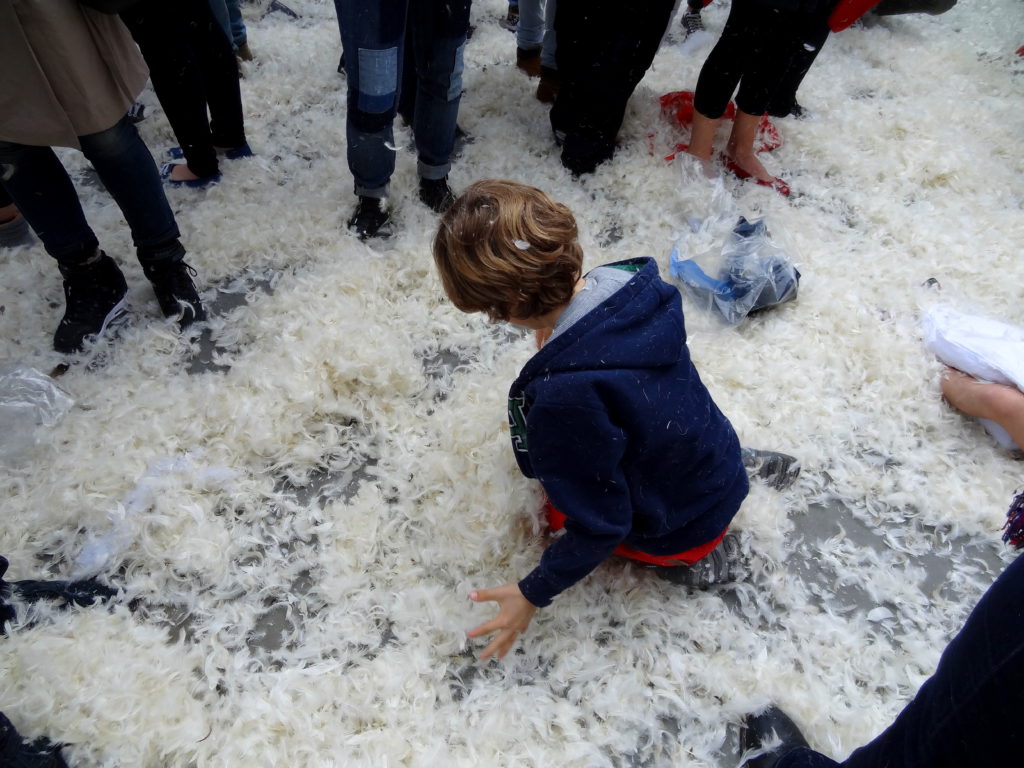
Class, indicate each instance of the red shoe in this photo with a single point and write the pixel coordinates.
(776, 183)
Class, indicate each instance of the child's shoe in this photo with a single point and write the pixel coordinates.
(94, 296)
(720, 566)
(778, 470)
(371, 219)
(436, 194)
(15, 232)
(175, 291)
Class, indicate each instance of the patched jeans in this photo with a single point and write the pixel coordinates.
(373, 38)
(47, 199)
(969, 712)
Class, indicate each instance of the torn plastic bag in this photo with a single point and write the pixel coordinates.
(28, 398)
(754, 274)
(984, 348)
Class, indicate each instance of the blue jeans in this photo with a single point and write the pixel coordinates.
(229, 17)
(536, 29)
(373, 38)
(41, 188)
(969, 712)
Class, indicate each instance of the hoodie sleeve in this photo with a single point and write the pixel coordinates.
(576, 454)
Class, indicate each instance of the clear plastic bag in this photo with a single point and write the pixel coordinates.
(28, 399)
(750, 273)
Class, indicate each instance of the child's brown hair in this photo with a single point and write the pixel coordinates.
(509, 250)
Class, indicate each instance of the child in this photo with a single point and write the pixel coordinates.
(610, 415)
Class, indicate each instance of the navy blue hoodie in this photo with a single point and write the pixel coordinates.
(613, 420)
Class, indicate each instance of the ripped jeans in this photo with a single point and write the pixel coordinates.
(373, 38)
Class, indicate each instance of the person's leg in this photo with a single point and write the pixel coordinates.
(372, 35)
(719, 76)
(239, 34)
(815, 32)
(986, 400)
(94, 287)
(530, 36)
(219, 9)
(160, 29)
(968, 712)
(741, 145)
(604, 49)
(549, 47)
(219, 71)
(40, 187)
(128, 172)
(439, 29)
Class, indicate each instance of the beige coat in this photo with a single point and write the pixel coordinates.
(65, 71)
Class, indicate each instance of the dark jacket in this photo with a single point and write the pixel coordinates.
(614, 421)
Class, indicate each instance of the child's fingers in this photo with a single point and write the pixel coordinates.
(486, 628)
(500, 645)
(482, 595)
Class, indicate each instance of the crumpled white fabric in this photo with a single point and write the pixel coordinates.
(986, 349)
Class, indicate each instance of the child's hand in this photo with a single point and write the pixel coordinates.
(514, 615)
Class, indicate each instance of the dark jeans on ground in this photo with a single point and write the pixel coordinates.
(373, 38)
(604, 49)
(47, 199)
(192, 67)
(753, 52)
(969, 712)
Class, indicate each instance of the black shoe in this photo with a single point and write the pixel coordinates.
(760, 729)
(691, 22)
(94, 294)
(371, 219)
(778, 470)
(174, 289)
(436, 194)
(720, 566)
(15, 752)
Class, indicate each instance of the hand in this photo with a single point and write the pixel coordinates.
(514, 615)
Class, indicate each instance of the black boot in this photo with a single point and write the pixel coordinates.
(436, 194)
(371, 219)
(174, 289)
(94, 294)
(759, 729)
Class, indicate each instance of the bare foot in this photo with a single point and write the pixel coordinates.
(747, 160)
(180, 172)
(986, 400)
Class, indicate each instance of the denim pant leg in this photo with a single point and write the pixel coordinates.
(968, 712)
(549, 51)
(128, 172)
(372, 36)
(239, 34)
(530, 29)
(43, 192)
(219, 8)
(439, 37)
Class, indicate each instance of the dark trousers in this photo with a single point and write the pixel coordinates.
(47, 199)
(753, 53)
(193, 68)
(604, 49)
(969, 712)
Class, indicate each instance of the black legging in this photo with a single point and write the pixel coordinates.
(192, 67)
(753, 52)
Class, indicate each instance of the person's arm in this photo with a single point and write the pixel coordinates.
(576, 454)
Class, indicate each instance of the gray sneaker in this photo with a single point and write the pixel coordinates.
(721, 566)
(778, 470)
